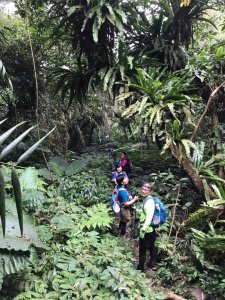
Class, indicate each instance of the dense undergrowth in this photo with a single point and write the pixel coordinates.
(84, 260)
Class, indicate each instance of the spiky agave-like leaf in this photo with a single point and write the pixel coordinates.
(33, 148)
(6, 134)
(3, 121)
(14, 143)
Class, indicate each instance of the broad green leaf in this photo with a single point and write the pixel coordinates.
(143, 102)
(95, 29)
(124, 96)
(186, 147)
(76, 166)
(122, 15)
(63, 221)
(2, 202)
(73, 9)
(12, 240)
(107, 78)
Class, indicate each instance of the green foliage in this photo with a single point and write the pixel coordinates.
(2, 202)
(16, 253)
(18, 197)
(84, 264)
(75, 183)
(4, 75)
(212, 241)
(173, 273)
(157, 100)
(97, 217)
(61, 167)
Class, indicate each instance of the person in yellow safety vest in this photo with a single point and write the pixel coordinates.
(147, 232)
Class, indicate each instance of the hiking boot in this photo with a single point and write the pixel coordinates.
(139, 268)
(152, 267)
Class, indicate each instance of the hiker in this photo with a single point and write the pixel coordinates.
(125, 203)
(118, 172)
(115, 161)
(125, 163)
(147, 231)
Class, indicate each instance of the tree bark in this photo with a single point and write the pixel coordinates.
(189, 169)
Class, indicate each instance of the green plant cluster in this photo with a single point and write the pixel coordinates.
(77, 181)
(83, 263)
(182, 277)
(89, 187)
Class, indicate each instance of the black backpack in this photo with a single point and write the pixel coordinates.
(128, 167)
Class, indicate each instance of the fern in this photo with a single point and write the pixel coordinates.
(29, 180)
(97, 217)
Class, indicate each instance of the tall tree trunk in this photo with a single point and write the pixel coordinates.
(189, 169)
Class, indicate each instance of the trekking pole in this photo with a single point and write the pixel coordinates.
(135, 220)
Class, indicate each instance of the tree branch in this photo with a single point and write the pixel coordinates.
(206, 109)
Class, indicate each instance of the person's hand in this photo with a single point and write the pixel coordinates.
(142, 233)
(135, 198)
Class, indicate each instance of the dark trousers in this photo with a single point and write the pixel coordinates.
(147, 243)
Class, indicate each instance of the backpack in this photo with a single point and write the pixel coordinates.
(114, 203)
(159, 217)
(128, 167)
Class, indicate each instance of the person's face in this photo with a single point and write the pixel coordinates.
(123, 155)
(119, 169)
(145, 192)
